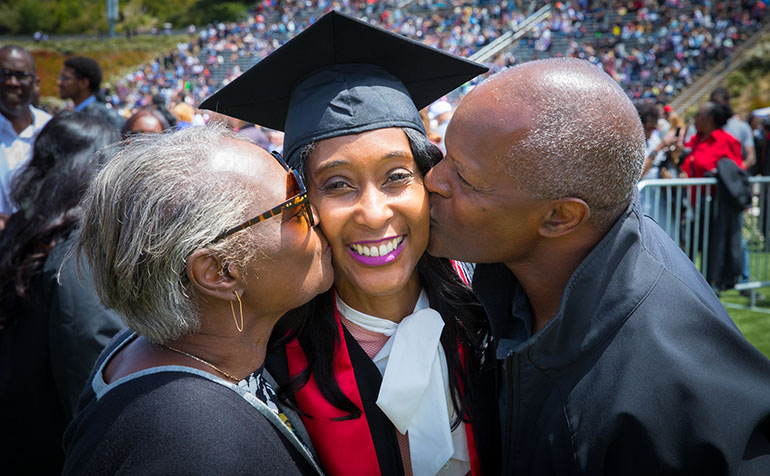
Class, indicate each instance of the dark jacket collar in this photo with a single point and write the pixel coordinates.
(599, 296)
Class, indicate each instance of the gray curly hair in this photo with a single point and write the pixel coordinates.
(153, 204)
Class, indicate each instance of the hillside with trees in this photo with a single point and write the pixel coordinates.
(53, 17)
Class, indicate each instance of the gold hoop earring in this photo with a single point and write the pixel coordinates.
(240, 308)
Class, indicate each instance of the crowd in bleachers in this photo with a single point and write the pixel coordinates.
(652, 48)
(218, 53)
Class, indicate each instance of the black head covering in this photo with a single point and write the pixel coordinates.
(341, 76)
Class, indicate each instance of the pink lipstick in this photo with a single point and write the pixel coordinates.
(359, 250)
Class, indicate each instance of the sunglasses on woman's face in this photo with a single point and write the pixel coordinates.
(295, 189)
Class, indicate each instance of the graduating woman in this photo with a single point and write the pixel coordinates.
(390, 369)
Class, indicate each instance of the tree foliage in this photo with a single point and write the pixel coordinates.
(52, 16)
(21, 17)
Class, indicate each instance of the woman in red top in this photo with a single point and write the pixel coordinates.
(708, 146)
(710, 143)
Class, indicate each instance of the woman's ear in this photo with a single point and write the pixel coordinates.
(564, 216)
(209, 276)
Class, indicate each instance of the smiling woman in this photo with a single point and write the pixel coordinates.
(395, 311)
(390, 368)
(374, 211)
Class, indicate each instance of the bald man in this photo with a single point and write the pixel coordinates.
(615, 355)
(19, 120)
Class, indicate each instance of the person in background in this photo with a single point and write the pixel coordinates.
(145, 121)
(52, 326)
(20, 121)
(186, 116)
(761, 127)
(672, 166)
(616, 356)
(440, 113)
(737, 128)
(669, 120)
(654, 199)
(79, 81)
(160, 104)
(276, 140)
(657, 145)
(251, 133)
(711, 143)
(432, 136)
(760, 143)
(201, 242)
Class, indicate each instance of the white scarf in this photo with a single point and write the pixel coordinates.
(415, 388)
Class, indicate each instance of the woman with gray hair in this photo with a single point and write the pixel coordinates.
(169, 235)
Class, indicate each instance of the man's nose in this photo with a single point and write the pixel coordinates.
(434, 181)
(12, 80)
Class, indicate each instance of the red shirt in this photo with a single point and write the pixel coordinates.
(707, 152)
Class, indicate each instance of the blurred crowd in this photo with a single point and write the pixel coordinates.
(652, 48)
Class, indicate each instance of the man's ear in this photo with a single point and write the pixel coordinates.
(207, 275)
(85, 84)
(564, 216)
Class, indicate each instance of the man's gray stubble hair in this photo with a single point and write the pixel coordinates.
(587, 140)
(153, 204)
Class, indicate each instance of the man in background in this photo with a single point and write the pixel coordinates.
(20, 121)
(79, 80)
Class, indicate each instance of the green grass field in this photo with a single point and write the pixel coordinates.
(754, 323)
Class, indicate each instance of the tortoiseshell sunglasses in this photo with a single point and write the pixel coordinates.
(295, 187)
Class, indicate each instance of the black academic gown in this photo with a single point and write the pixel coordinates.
(45, 359)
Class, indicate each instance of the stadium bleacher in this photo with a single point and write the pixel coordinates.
(652, 48)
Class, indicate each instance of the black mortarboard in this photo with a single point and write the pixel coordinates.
(341, 76)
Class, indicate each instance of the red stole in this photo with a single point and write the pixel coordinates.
(345, 448)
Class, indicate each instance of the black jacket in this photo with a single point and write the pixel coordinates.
(45, 359)
(725, 253)
(640, 372)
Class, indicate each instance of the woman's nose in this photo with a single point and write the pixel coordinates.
(374, 207)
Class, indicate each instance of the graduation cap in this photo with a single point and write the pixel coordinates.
(341, 76)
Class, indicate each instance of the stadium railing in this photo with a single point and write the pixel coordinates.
(686, 209)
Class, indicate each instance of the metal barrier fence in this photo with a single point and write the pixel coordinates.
(685, 209)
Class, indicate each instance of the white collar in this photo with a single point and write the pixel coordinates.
(414, 393)
(39, 119)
